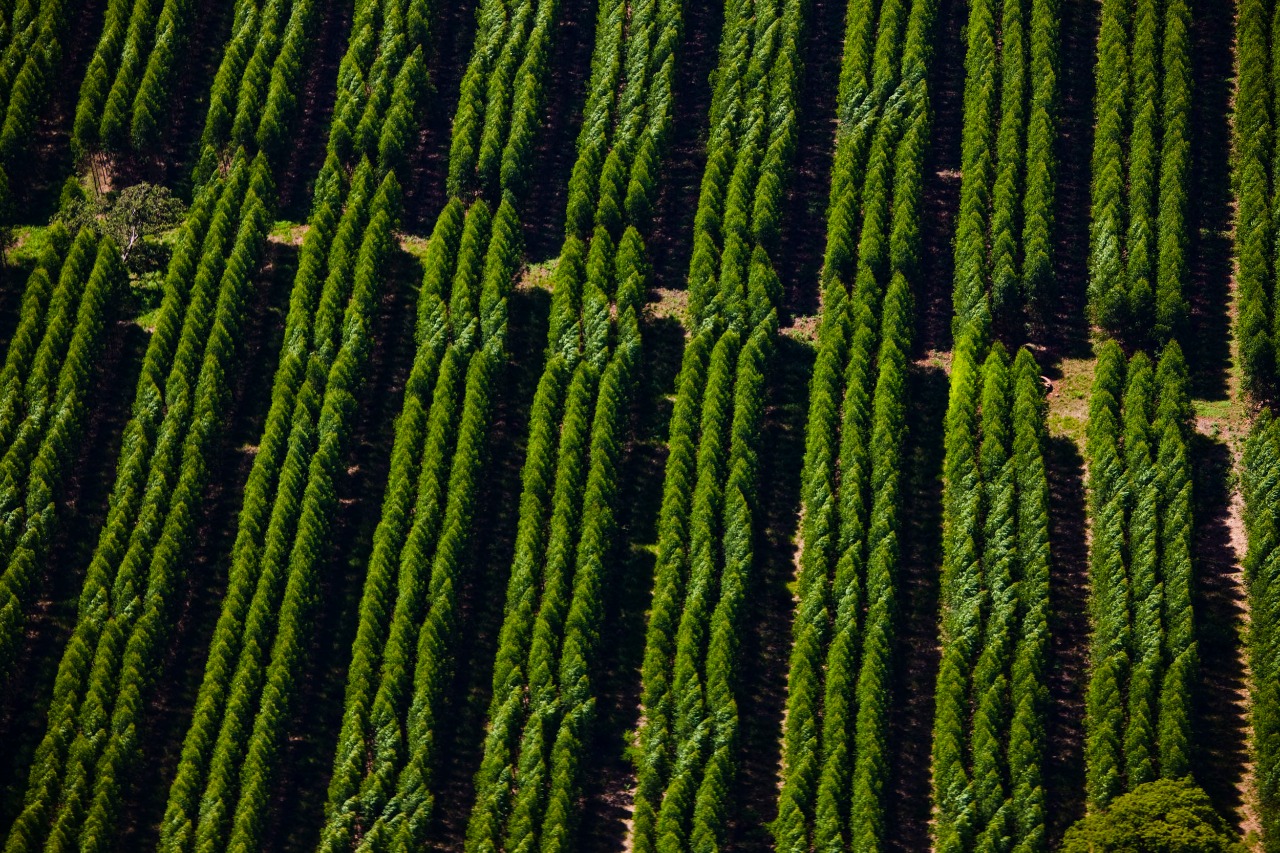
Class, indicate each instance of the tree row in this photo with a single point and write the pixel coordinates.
(257, 658)
(50, 366)
(1143, 659)
(1255, 182)
(127, 88)
(1003, 243)
(112, 660)
(382, 792)
(686, 749)
(988, 739)
(31, 35)
(1261, 486)
(1141, 171)
(529, 784)
(835, 760)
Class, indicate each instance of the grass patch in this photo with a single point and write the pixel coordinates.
(415, 245)
(539, 275)
(668, 303)
(1069, 399)
(1223, 420)
(148, 320)
(284, 231)
(28, 242)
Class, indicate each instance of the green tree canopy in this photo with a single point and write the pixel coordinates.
(1165, 816)
(126, 216)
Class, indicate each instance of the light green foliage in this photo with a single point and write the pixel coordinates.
(31, 51)
(48, 373)
(1160, 817)
(1254, 183)
(529, 783)
(1003, 246)
(835, 747)
(686, 751)
(93, 739)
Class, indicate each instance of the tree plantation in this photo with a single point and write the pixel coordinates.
(542, 426)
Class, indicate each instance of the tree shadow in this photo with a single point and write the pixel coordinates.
(941, 179)
(765, 629)
(82, 509)
(909, 800)
(1220, 723)
(1209, 204)
(482, 596)
(609, 773)
(1067, 334)
(1069, 632)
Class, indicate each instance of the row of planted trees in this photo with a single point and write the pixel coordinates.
(1261, 486)
(111, 661)
(126, 90)
(1255, 180)
(45, 389)
(31, 51)
(1141, 171)
(1143, 662)
(383, 789)
(835, 765)
(1003, 243)
(686, 749)
(1255, 253)
(231, 753)
(991, 695)
(543, 703)
(988, 740)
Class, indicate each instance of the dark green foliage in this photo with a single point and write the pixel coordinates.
(1254, 186)
(1003, 248)
(529, 783)
(114, 656)
(92, 739)
(251, 100)
(31, 35)
(219, 799)
(499, 107)
(687, 747)
(988, 737)
(1262, 512)
(1143, 655)
(835, 747)
(47, 375)
(1141, 166)
(1168, 816)
(382, 790)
